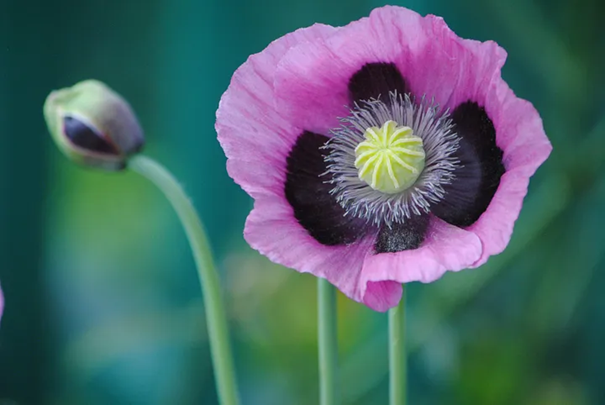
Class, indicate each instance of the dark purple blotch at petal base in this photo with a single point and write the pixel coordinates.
(308, 192)
(85, 137)
(478, 178)
(376, 80)
(399, 237)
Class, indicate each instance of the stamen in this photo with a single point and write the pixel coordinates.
(396, 168)
(390, 161)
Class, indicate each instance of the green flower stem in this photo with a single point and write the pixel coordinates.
(397, 354)
(327, 341)
(218, 331)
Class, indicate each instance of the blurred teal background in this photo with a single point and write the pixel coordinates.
(102, 298)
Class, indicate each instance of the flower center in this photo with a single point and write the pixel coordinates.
(391, 157)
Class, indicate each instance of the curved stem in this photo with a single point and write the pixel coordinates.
(218, 332)
(397, 354)
(327, 342)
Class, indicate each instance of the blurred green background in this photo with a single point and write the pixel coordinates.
(102, 299)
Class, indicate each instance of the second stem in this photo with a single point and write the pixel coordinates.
(327, 343)
(397, 354)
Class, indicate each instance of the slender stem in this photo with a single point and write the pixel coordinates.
(327, 340)
(397, 355)
(218, 331)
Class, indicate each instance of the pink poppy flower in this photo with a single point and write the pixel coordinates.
(383, 152)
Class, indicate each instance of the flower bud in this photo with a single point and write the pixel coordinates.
(93, 125)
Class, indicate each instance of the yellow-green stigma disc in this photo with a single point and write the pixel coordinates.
(390, 159)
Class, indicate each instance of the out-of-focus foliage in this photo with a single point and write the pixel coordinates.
(102, 300)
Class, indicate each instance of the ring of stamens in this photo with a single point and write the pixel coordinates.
(369, 164)
(391, 157)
